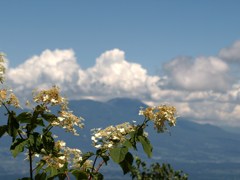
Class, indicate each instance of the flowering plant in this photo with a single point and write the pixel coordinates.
(31, 132)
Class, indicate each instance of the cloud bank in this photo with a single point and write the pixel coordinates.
(202, 88)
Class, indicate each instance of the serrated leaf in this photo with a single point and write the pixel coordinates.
(128, 144)
(36, 141)
(85, 157)
(18, 146)
(24, 117)
(40, 122)
(48, 142)
(79, 175)
(105, 158)
(49, 117)
(52, 171)
(40, 176)
(12, 125)
(3, 130)
(147, 147)
(126, 164)
(118, 154)
(40, 165)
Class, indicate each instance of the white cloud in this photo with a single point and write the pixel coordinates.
(111, 76)
(201, 73)
(231, 53)
(200, 88)
(57, 67)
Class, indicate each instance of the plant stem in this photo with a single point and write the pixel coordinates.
(95, 160)
(30, 164)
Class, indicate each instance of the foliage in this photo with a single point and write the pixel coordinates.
(155, 171)
(31, 132)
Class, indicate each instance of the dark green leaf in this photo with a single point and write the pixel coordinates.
(118, 154)
(48, 142)
(97, 176)
(40, 165)
(24, 117)
(126, 164)
(13, 125)
(53, 171)
(18, 146)
(36, 142)
(105, 158)
(128, 144)
(85, 157)
(49, 117)
(41, 176)
(79, 175)
(147, 147)
(3, 130)
(40, 122)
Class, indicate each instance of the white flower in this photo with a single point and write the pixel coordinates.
(45, 98)
(61, 157)
(98, 135)
(140, 113)
(98, 146)
(110, 145)
(122, 130)
(61, 118)
(62, 143)
(94, 139)
(54, 101)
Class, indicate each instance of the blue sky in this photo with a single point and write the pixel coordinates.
(185, 53)
(149, 32)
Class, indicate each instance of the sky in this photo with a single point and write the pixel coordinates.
(183, 53)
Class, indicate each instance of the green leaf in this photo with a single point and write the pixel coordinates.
(79, 175)
(48, 142)
(40, 122)
(97, 176)
(105, 158)
(85, 157)
(36, 142)
(40, 165)
(18, 146)
(41, 176)
(118, 154)
(49, 117)
(128, 144)
(24, 117)
(53, 171)
(25, 178)
(12, 124)
(147, 147)
(126, 164)
(3, 130)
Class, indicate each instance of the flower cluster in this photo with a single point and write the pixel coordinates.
(2, 67)
(67, 156)
(159, 115)
(67, 121)
(8, 97)
(111, 136)
(51, 96)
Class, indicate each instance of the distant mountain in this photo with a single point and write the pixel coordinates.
(203, 151)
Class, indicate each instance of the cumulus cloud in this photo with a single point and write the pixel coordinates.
(231, 53)
(201, 73)
(57, 67)
(202, 88)
(111, 76)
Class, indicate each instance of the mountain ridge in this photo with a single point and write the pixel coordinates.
(203, 151)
